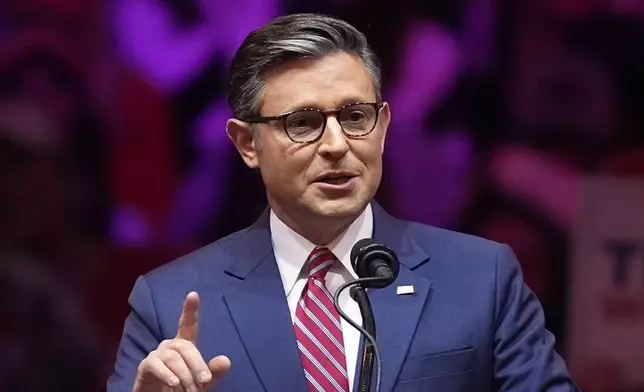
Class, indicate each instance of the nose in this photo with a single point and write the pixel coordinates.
(333, 143)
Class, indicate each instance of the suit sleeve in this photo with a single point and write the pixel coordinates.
(524, 351)
(141, 335)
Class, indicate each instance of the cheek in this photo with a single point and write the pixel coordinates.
(370, 155)
(284, 168)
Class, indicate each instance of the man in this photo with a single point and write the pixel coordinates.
(251, 312)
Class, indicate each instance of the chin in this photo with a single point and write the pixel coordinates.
(340, 208)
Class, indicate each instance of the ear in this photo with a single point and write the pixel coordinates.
(239, 132)
(384, 119)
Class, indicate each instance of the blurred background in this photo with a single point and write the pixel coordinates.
(114, 159)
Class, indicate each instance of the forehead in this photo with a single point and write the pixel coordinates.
(325, 83)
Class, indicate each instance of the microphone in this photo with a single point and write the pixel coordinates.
(371, 259)
(376, 266)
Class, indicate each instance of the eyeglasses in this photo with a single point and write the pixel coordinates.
(307, 125)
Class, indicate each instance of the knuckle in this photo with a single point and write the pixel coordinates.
(185, 347)
(169, 356)
(165, 343)
(144, 366)
(180, 343)
(174, 357)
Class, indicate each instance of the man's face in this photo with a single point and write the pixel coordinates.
(292, 171)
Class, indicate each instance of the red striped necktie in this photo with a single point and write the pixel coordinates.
(318, 329)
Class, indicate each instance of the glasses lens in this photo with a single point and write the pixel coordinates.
(304, 125)
(358, 119)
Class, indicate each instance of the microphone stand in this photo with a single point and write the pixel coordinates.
(359, 294)
(370, 350)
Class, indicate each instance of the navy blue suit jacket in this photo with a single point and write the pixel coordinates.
(471, 324)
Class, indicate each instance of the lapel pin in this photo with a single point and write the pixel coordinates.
(404, 290)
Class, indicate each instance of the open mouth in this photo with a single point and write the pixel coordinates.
(335, 180)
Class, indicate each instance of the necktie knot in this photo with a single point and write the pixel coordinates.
(320, 261)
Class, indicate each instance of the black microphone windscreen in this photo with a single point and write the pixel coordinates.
(371, 259)
(358, 248)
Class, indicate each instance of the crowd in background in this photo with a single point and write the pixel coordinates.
(114, 159)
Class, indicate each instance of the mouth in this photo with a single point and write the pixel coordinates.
(335, 178)
(336, 181)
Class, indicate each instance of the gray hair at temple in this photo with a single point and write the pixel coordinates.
(288, 38)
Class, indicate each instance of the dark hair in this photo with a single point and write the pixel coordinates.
(288, 38)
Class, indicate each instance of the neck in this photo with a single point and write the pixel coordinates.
(321, 232)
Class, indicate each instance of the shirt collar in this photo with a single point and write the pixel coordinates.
(292, 250)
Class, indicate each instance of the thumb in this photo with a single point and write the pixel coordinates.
(219, 366)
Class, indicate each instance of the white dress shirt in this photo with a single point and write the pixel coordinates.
(292, 250)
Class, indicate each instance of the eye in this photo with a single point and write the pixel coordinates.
(356, 115)
(300, 122)
(304, 122)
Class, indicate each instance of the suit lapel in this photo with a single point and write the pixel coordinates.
(396, 319)
(397, 315)
(258, 307)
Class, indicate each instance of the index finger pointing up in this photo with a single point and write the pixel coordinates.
(189, 318)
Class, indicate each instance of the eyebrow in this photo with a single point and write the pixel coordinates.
(346, 101)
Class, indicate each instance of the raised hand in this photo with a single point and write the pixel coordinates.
(176, 364)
